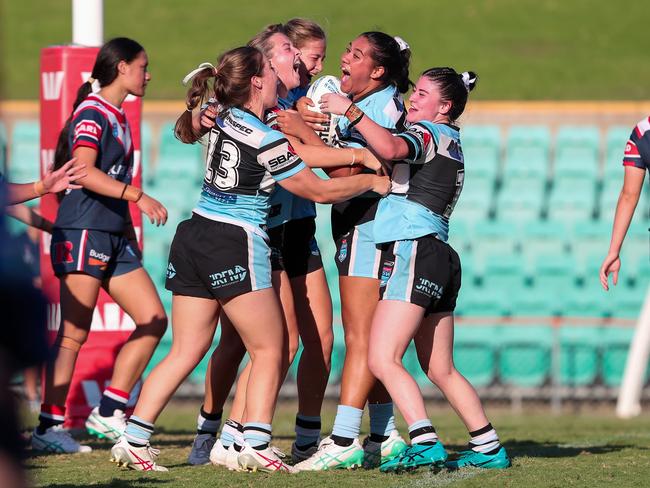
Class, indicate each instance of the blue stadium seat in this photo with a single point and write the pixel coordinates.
(480, 302)
(579, 354)
(25, 144)
(475, 201)
(572, 200)
(520, 200)
(475, 353)
(493, 237)
(525, 354)
(503, 271)
(543, 237)
(527, 151)
(616, 343)
(577, 151)
(589, 240)
(482, 151)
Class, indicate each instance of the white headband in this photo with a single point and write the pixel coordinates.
(401, 43)
(194, 72)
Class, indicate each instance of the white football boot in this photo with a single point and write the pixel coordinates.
(110, 428)
(201, 449)
(266, 460)
(376, 453)
(332, 456)
(138, 458)
(57, 440)
(232, 456)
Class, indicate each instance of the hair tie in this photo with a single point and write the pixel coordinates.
(403, 45)
(90, 80)
(94, 84)
(194, 72)
(468, 80)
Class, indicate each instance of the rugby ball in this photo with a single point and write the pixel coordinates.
(323, 85)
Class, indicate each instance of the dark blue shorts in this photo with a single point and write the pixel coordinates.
(93, 252)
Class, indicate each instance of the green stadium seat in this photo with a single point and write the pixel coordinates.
(146, 145)
(543, 237)
(475, 201)
(616, 343)
(480, 302)
(459, 234)
(554, 272)
(178, 160)
(525, 354)
(493, 237)
(616, 138)
(503, 271)
(579, 351)
(25, 160)
(520, 200)
(527, 151)
(609, 198)
(572, 200)
(482, 151)
(338, 355)
(4, 148)
(475, 353)
(412, 365)
(528, 302)
(583, 302)
(577, 150)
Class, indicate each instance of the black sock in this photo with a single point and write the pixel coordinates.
(45, 423)
(342, 441)
(378, 438)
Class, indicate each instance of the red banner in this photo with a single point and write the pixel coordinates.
(63, 70)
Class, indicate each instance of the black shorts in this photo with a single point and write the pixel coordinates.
(211, 259)
(94, 252)
(423, 271)
(352, 230)
(300, 251)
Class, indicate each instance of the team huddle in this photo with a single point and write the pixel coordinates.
(248, 258)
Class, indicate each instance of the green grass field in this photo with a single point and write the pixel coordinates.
(591, 448)
(522, 49)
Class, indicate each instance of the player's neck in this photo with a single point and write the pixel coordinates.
(114, 95)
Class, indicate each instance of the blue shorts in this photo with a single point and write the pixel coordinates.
(352, 229)
(212, 259)
(423, 271)
(94, 252)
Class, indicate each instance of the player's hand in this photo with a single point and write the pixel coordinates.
(208, 117)
(291, 123)
(63, 178)
(333, 103)
(611, 264)
(153, 209)
(381, 185)
(313, 119)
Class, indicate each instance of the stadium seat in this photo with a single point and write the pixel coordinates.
(480, 302)
(146, 145)
(534, 302)
(572, 200)
(25, 160)
(482, 151)
(616, 342)
(543, 237)
(525, 354)
(475, 353)
(554, 272)
(504, 271)
(579, 348)
(616, 138)
(475, 201)
(338, 355)
(493, 237)
(527, 152)
(520, 200)
(577, 150)
(178, 161)
(4, 148)
(582, 302)
(459, 234)
(412, 365)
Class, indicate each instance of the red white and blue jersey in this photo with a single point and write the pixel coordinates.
(101, 126)
(637, 149)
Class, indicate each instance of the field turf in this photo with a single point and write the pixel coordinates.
(521, 49)
(587, 449)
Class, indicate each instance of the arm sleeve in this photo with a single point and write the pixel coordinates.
(421, 143)
(278, 157)
(87, 128)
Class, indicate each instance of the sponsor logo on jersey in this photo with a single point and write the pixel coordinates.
(171, 271)
(283, 160)
(63, 252)
(237, 126)
(386, 272)
(429, 288)
(236, 274)
(343, 252)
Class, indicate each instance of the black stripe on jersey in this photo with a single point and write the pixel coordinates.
(273, 144)
(412, 150)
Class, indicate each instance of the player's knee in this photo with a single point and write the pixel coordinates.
(377, 363)
(155, 325)
(440, 376)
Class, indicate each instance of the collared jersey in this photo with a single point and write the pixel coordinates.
(245, 158)
(101, 126)
(637, 149)
(425, 186)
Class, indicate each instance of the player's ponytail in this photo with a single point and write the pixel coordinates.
(453, 87)
(104, 73)
(231, 86)
(394, 54)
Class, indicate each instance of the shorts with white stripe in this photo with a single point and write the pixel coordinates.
(423, 271)
(96, 253)
(211, 259)
(352, 228)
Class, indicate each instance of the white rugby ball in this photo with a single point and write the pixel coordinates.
(323, 85)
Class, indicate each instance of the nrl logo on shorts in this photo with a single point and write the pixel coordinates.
(235, 274)
(429, 288)
(171, 271)
(343, 252)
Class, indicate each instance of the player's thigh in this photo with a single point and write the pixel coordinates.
(78, 292)
(194, 321)
(434, 342)
(359, 298)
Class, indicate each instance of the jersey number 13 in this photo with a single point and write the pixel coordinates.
(221, 168)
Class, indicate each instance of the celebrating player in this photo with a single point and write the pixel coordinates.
(422, 272)
(374, 74)
(93, 246)
(636, 161)
(220, 258)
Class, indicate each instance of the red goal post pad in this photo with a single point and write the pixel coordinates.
(63, 70)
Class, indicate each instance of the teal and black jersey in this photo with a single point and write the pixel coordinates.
(425, 186)
(245, 158)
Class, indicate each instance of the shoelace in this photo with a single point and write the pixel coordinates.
(153, 452)
(278, 452)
